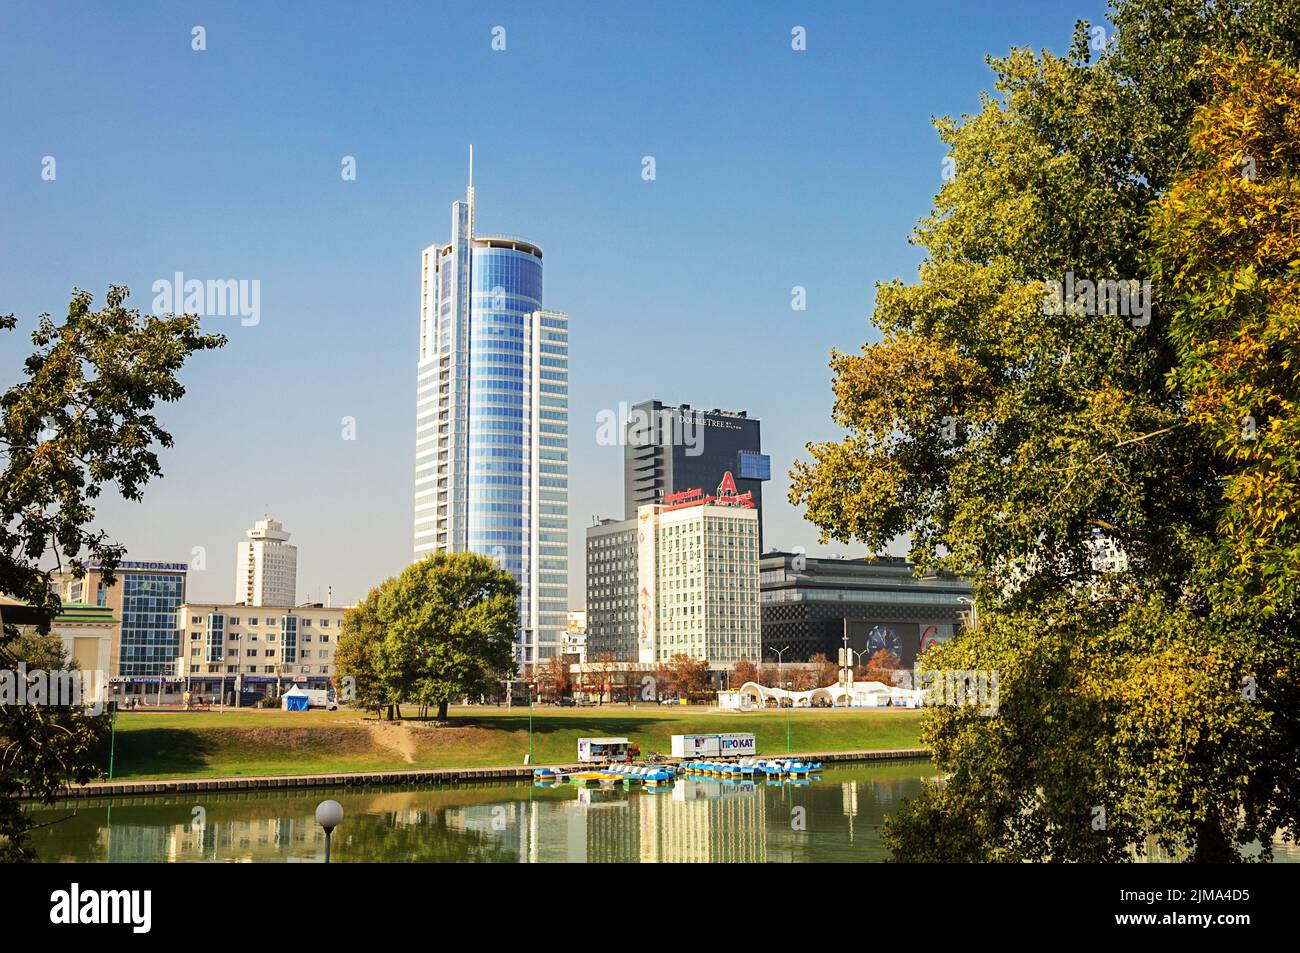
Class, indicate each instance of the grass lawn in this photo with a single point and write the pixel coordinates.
(164, 744)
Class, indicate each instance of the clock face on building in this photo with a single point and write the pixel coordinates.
(883, 637)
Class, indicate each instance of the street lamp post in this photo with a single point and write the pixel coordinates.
(970, 601)
(530, 723)
(329, 815)
(780, 657)
(788, 686)
(112, 731)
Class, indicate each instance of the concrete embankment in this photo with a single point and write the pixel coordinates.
(417, 776)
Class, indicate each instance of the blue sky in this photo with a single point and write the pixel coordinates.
(774, 168)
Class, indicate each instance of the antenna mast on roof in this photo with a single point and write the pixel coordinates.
(469, 192)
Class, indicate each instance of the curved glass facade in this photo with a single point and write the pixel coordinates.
(506, 288)
(492, 421)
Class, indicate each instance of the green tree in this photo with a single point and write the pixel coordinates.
(81, 418)
(450, 622)
(356, 660)
(43, 651)
(1135, 708)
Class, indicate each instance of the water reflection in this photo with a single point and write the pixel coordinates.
(696, 821)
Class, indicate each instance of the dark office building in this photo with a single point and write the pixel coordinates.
(611, 590)
(808, 604)
(666, 450)
(670, 449)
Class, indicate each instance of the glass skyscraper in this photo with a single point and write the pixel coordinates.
(492, 419)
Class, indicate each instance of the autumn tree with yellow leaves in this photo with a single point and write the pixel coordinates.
(1152, 706)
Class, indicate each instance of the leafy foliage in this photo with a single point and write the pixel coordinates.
(683, 675)
(442, 629)
(81, 418)
(356, 659)
(1002, 437)
(1225, 235)
(743, 671)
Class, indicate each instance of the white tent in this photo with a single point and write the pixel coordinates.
(858, 695)
(295, 699)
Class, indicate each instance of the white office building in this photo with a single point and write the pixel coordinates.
(697, 578)
(266, 567)
(492, 420)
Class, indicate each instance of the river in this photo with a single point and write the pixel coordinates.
(836, 818)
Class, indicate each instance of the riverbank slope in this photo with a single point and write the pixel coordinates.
(172, 744)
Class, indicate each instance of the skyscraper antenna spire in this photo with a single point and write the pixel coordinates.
(469, 192)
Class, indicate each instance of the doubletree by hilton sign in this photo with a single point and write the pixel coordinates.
(726, 496)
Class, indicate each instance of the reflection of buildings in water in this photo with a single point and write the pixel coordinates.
(594, 825)
(613, 830)
(589, 827)
(883, 793)
(698, 821)
(247, 841)
(501, 823)
(709, 821)
(704, 821)
(138, 844)
(849, 800)
(289, 832)
(263, 839)
(556, 833)
(849, 797)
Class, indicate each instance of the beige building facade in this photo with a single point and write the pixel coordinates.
(697, 578)
(230, 647)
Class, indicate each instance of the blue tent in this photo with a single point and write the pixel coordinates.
(295, 699)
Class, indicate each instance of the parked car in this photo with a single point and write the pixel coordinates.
(566, 703)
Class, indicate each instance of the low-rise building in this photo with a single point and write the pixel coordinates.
(86, 633)
(810, 604)
(143, 601)
(232, 647)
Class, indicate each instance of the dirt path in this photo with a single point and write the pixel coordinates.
(395, 738)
